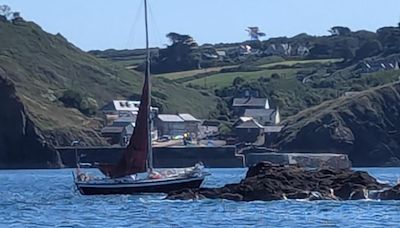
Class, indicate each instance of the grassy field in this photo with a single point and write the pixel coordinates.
(190, 73)
(293, 62)
(218, 80)
(225, 79)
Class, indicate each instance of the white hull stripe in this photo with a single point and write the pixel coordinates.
(136, 185)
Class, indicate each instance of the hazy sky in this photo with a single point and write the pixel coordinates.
(102, 24)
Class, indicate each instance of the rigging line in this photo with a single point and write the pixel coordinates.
(157, 31)
(133, 27)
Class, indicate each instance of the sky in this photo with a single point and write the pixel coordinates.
(103, 24)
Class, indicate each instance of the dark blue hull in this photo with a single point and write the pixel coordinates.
(155, 186)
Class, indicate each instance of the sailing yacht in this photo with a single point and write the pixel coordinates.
(134, 173)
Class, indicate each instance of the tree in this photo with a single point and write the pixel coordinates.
(178, 56)
(237, 81)
(176, 38)
(5, 10)
(339, 31)
(370, 48)
(389, 37)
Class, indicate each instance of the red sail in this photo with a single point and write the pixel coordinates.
(135, 156)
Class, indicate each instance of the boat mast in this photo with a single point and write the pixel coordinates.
(147, 75)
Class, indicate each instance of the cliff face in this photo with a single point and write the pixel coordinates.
(21, 143)
(365, 126)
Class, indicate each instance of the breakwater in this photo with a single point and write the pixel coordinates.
(212, 157)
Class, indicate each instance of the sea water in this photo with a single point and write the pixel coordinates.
(47, 198)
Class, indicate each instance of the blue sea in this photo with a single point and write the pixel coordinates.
(47, 198)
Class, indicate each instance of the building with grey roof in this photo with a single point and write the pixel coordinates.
(264, 116)
(239, 105)
(176, 124)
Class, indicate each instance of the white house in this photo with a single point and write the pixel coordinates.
(122, 108)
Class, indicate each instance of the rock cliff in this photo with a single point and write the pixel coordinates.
(21, 142)
(366, 126)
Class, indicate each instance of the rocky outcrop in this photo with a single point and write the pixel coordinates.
(366, 126)
(21, 143)
(267, 181)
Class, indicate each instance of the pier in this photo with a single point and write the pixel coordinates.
(212, 157)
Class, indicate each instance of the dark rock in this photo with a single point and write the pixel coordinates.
(21, 142)
(230, 196)
(391, 194)
(266, 181)
(358, 194)
(185, 194)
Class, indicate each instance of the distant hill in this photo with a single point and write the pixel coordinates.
(351, 46)
(46, 68)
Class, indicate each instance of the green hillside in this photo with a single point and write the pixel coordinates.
(43, 66)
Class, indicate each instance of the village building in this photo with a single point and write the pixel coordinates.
(240, 105)
(209, 128)
(118, 132)
(248, 92)
(270, 134)
(303, 51)
(177, 124)
(370, 66)
(248, 130)
(121, 130)
(122, 108)
(266, 117)
(244, 50)
(281, 49)
(221, 54)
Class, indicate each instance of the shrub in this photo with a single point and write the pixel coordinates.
(225, 129)
(74, 99)
(88, 106)
(71, 98)
(237, 81)
(275, 76)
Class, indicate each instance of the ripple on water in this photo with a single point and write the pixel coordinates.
(46, 198)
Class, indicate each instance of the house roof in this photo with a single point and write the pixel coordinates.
(188, 117)
(210, 123)
(221, 53)
(259, 112)
(169, 118)
(122, 124)
(112, 129)
(182, 117)
(252, 101)
(252, 123)
(123, 105)
(125, 119)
